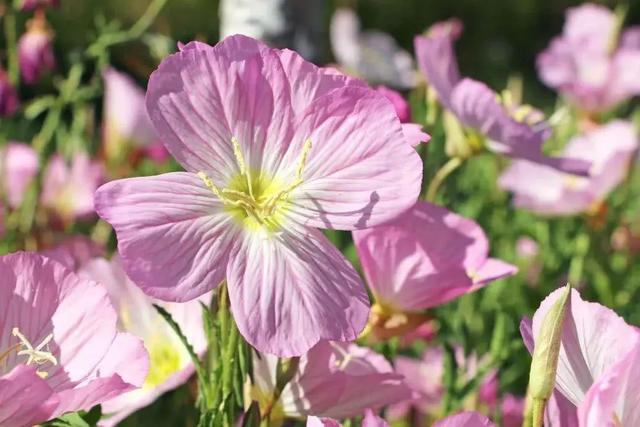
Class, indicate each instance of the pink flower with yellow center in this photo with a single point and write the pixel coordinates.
(274, 148)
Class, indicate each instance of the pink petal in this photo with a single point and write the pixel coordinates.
(290, 290)
(322, 422)
(593, 339)
(616, 393)
(372, 420)
(25, 398)
(18, 166)
(414, 134)
(360, 170)
(173, 236)
(437, 60)
(493, 269)
(425, 258)
(465, 419)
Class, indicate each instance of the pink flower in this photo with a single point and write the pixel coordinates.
(170, 364)
(370, 420)
(49, 365)
(273, 147)
(9, 101)
(335, 380)
(425, 258)
(18, 167)
(587, 64)
(372, 55)
(598, 351)
(126, 122)
(543, 190)
(29, 5)
(512, 409)
(68, 191)
(465, 419)
(35, 51)
(477, 107)
(403, 109)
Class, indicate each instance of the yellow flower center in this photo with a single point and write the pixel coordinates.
(38, 355)
(164, 361)
(256, 200)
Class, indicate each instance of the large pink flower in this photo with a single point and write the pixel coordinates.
(598, 351)
(478, 107)
(610, 149)
(425, 258)
(49, 365)
(590, 63)
(273, 147)
(170, 364)
(336, 380)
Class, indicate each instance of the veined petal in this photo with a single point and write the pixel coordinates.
(173, 236)
(437, 60)
(360, 170)
(291, 289)
(22, 393)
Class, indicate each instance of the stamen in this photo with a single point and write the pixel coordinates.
(35, 355)
(303, 159)
(237, 151)
(210, 185)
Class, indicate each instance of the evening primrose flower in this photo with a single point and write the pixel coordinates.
(126, 122)
(49, 365)
(591, 63)
(508, 130)
(68, 191)
(35, 50)
(610, 150)
(273, 147)
(170, 364)
(335, 380)
(420, 260)
(597, 365)
(18, 167)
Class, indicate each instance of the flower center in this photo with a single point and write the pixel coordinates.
(254, 198)
(164, 361)
(38, 355)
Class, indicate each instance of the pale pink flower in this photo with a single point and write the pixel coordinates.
(68, 191)
(598, 351)
(512, 409)
(610, 150)
(75, 251)
(126, 122)
(587, 64)
(336, 380)
(170, 364)
(465, 419)
(478, 108)
(18, 167)
(425, 258)
(372, 55)
(48, 364)
(273, 147)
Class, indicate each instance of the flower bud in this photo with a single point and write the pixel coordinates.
(35, 51)
(29, 5)
(9, 101)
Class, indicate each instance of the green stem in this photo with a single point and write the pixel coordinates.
(581, 247)
(441, 176)
(145, 21)
(538, 412)
(12, 50)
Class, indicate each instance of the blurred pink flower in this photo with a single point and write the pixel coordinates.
(74, 252)
(586, 63)
(29, 5)
(274, 147)
(370, 420)
(9, 101)
(170, 364)
(597, 352)
(527, 248)
(478, 107)
(371, 55)
(126, 122)
(512, 409)
(19, 165)
(609, 149)
(465, 419)
(425, 258)
(336, 380)
(68, 191)
(35, 51)
(48, 365)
